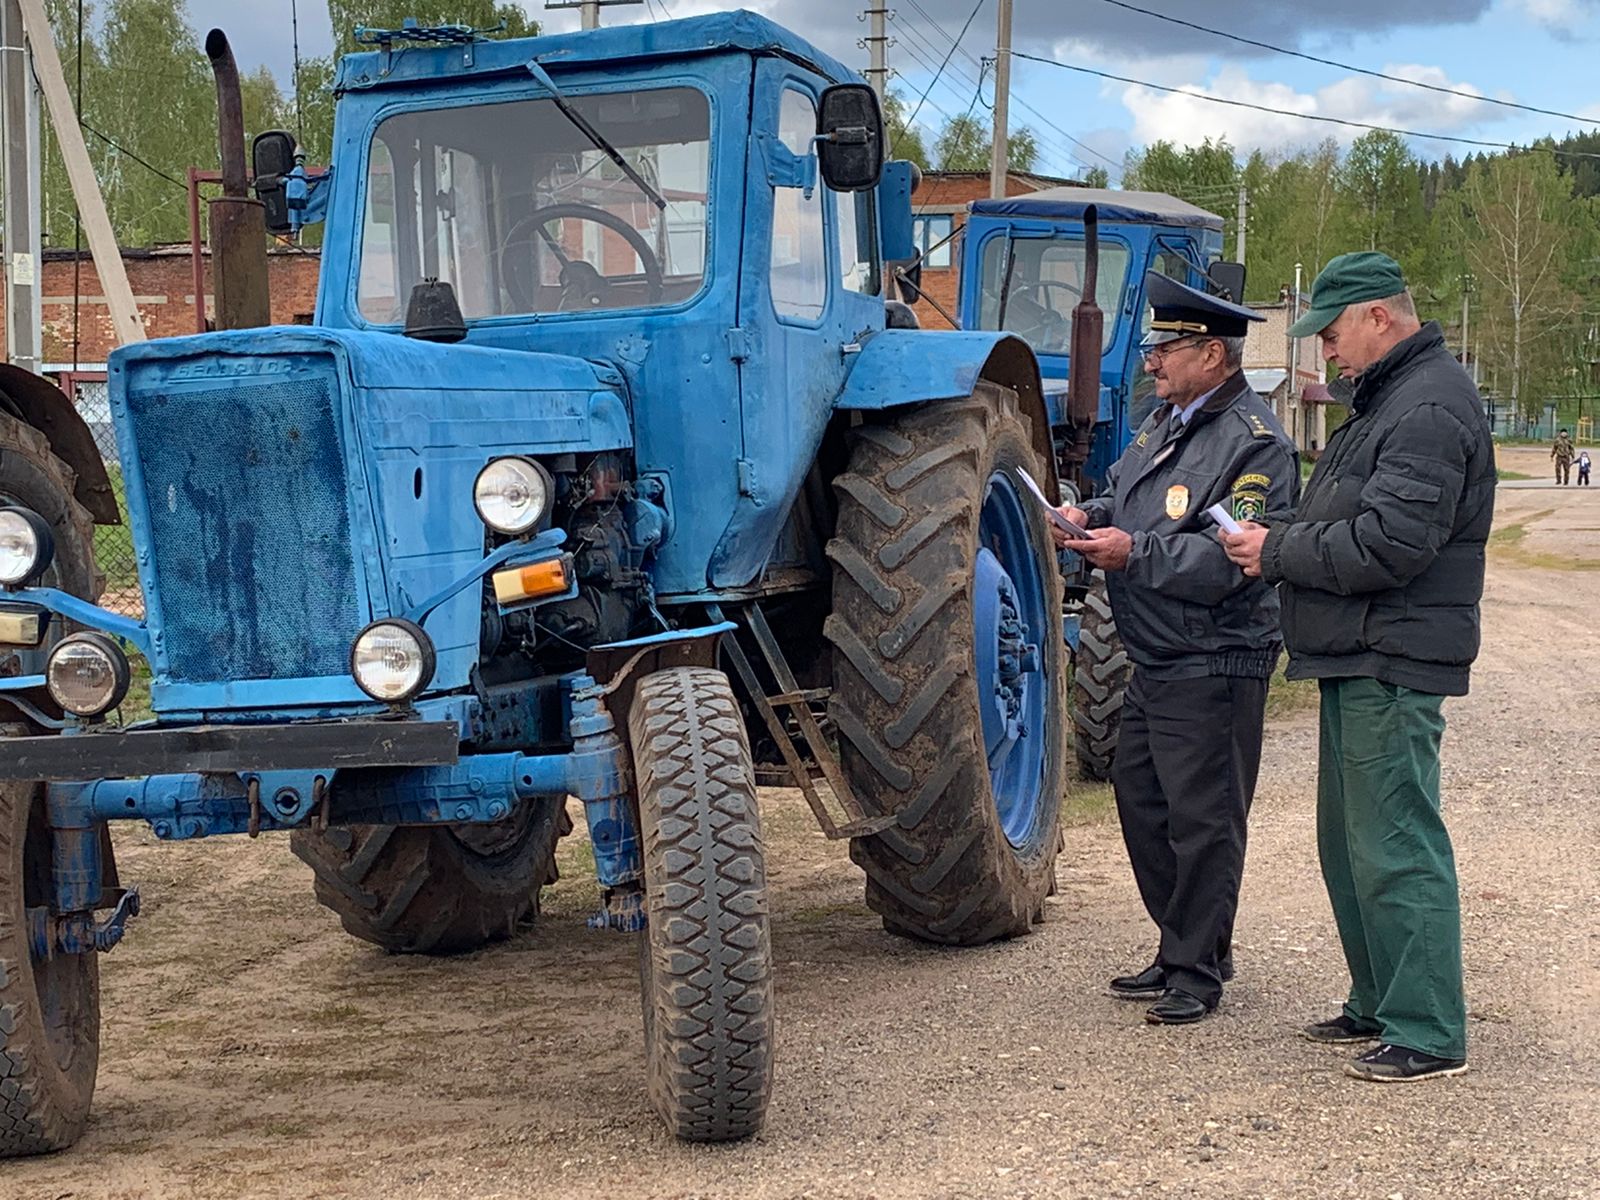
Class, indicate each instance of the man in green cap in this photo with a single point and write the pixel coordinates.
(1380, 572)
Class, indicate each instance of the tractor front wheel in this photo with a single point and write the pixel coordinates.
(705, 957)
(949, 674)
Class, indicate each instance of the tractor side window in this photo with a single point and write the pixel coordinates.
(858, 249)
(799, 262)
(514, 206)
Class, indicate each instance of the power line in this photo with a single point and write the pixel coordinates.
(1328, 62)
(88, 128)
(1022, 103)
(956, 45)
(1280, 112)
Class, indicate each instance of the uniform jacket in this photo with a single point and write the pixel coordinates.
(1382, 566)
(1563, 450)
(1182, 609)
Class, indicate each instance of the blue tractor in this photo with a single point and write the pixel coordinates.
(607, 471)
(1027, 263)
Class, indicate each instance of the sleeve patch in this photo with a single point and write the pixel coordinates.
(1249, 504)
(1262, 482)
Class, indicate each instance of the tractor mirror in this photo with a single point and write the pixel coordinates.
(272, 153)
(1228, 279)
(850, 137)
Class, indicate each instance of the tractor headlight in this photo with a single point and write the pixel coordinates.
(26, 546)
(511, 494)
(87, 674)
(392, 660)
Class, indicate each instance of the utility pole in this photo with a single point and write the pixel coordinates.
(877, 43)
(19, 122)
(1466, 306)
(125, 322)
(1002, 102)
(589, 16)
(1244, 208)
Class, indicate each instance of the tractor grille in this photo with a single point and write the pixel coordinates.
(245, 487)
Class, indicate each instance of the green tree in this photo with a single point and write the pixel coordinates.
(1383, 181)
(967, 144)
(904, 141)
(1097, 177)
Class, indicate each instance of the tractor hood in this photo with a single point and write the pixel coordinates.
(287, 485)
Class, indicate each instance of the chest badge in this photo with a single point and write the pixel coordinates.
(1177, 501)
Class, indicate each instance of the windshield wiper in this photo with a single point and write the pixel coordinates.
(594, 135)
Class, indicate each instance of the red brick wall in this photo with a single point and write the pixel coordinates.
(163, 288)
(952, 192)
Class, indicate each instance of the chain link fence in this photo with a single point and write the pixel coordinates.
(113, 544)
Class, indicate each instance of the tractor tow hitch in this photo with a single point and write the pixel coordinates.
(78, 933)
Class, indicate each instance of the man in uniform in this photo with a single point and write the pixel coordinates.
(1203, 638)
(1381, 570)
(1563, 453)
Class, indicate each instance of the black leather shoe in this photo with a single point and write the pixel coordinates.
(1177, 1007)
(1148, 984)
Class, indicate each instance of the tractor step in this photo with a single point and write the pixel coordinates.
(835, 806)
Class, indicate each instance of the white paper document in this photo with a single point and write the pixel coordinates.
(1066, 526)
(1223, 517)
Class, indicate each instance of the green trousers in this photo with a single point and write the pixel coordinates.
(1388, 865)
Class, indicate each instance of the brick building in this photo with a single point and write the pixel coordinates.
(1269, 358)
(162, 279)
(940, 205)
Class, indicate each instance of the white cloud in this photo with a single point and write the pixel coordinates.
(1187, 119)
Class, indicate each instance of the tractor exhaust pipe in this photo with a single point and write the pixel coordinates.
(238, 224)
(1083, 369)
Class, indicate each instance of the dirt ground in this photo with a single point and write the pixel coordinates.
(251, 1049)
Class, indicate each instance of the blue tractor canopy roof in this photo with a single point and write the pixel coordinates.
(1068, 204)
(411, 62)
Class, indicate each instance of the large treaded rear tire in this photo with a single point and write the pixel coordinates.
(705, 958)
(906, 700)
(439, 889)
(1100, 673)
(49, 1011)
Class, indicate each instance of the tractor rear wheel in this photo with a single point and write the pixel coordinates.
(1100, 672)
(705, 957)
(949, 668)
(436, 890)
(49, 1008)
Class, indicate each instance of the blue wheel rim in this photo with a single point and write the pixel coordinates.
(1012, 621)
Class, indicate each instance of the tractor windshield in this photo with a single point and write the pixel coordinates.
(1042, 284)
(515, 206)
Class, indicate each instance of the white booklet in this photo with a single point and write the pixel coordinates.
(1224, 518)
(1068, 527)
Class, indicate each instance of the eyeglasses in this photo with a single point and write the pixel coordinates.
(1158, 354)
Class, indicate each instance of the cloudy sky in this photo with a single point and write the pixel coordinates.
(1537, 52)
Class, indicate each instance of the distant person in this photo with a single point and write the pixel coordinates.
(1380, 571)
(1583, 469)
(1562, 452)
(1203, 638)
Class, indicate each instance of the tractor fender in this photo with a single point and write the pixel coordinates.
(899, 367)
(37, 402)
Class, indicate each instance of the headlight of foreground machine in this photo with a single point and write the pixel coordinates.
(87, 674)
(511, 494)
(392, 660)
(26, 546)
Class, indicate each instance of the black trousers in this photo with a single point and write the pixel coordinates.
(1184, 775)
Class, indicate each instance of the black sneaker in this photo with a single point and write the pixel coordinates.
(1339, 1030)
(1396, 1064)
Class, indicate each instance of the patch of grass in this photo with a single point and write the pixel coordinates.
(1502, 473)
(1087, 803)
(1287, 696)
(1506, 545)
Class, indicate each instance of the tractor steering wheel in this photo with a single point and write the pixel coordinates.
(582, 285)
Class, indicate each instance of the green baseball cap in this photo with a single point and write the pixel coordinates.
(1348, 279)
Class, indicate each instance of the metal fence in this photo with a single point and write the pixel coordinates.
(113, 544)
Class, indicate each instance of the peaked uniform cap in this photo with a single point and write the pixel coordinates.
(1180, 311)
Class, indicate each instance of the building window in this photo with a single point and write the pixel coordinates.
(929, 233)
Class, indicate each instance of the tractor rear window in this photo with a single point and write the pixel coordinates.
(1042, 286)
(521, 213)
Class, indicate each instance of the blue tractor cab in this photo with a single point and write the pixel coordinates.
(1025, 261)
(600, 476)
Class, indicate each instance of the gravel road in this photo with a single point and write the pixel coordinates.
(251, 1049)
